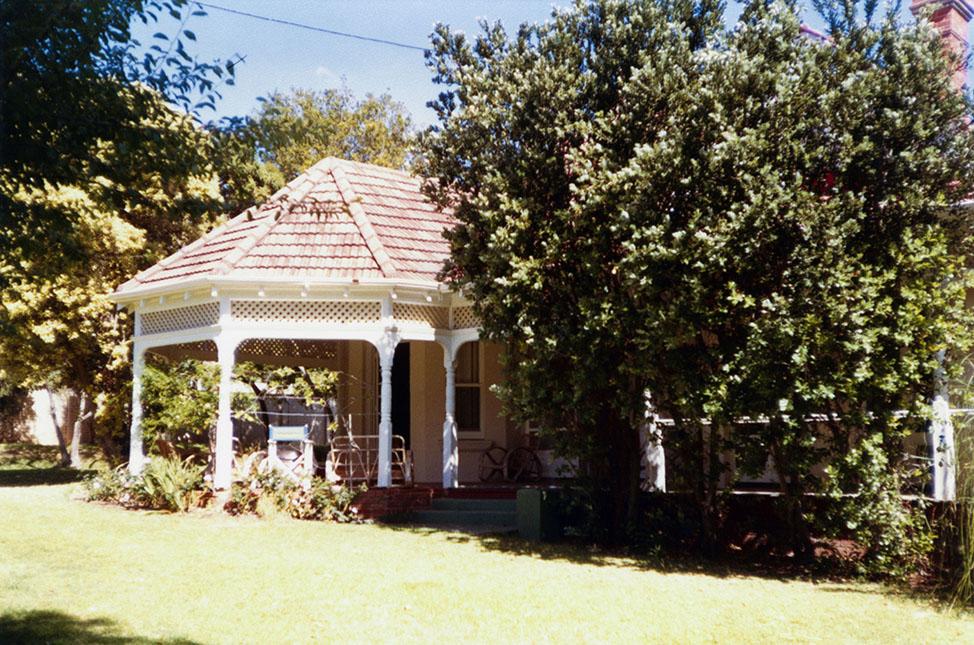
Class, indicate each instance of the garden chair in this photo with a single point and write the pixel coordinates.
(290, 450)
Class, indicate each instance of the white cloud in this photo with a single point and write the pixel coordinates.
(326, 74)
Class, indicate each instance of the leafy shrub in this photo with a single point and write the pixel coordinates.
(257, 490)
(111, 485)
(172, 485)
(317, 499)
(166, 485)
(179, 402)
(263, 491)
(958, 520)
(893, 532)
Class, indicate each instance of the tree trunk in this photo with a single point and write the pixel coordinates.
(798, 535)
(621, 475)
(84, 414)
(711, 479)
(62, 447)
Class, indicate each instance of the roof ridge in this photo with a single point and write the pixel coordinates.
(373, 166)
(284, 206)
(369, 235)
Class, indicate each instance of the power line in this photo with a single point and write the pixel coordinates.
(332, 32)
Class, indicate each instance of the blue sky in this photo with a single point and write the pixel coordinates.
(279, 57)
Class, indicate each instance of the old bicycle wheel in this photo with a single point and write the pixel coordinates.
(492, 463)
(522, 465)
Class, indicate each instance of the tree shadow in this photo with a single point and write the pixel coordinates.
(511, 544)
(25, 455)
(23, 464)
(42, 626)
(24, 477)
(724, 565)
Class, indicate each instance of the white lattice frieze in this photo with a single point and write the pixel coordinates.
(202, 350)
(287, 348)
(305, 311)
(464, 318)
(435, 317)
(180, 318)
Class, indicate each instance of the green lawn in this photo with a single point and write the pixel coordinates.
(80, 572)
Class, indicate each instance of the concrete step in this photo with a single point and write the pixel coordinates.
(459, 504)
(453, 517)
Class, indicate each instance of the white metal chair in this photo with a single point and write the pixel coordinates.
(292, 461)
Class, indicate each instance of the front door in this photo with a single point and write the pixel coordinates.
(400, 392)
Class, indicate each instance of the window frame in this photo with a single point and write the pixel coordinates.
(479, 386)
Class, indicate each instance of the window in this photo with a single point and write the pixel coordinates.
(468, 388)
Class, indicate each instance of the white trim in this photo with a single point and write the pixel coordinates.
(175, 300)
(372, 288)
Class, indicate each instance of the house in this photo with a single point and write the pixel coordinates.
(338, 269)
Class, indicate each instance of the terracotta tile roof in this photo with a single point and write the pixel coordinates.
(339, 220)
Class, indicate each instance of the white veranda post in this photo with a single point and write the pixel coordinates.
(136, 453)
(451, 453)
(223, 463)
(387, 353)
(940, 437)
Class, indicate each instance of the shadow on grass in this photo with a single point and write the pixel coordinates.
(58, 627)
(22, 477)
(25, 455)
(728, 565)
(23, 464)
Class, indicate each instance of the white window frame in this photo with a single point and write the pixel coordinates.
(479, 433)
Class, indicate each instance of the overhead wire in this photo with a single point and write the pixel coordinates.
(324, 30)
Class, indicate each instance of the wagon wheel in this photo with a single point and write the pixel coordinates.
(522, 465)
(492, 463)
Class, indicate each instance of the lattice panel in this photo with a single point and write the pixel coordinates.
(287, 348)
(204, 350)
(436, 317)
(305, 311)
(464, 318)
(180, 318)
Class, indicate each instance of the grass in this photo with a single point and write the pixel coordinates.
(77, 572)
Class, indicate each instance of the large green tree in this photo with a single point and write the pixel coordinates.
(102, 173)
(60, 330)
(73, 77)
(290, 131)
(745, 223)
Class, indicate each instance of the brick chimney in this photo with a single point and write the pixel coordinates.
(950, 18)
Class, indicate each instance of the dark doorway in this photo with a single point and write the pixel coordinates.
(400, 392)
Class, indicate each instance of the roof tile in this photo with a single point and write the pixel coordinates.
(307, 231)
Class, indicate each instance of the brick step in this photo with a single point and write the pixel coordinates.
(379, 502)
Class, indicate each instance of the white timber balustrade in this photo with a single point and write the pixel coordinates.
(451, 452)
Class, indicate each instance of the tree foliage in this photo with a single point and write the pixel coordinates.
(100, 176)
(315, 386)
(60, 328)
(291, 131)
(73, 80)
(747, 223)
(179, 405)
